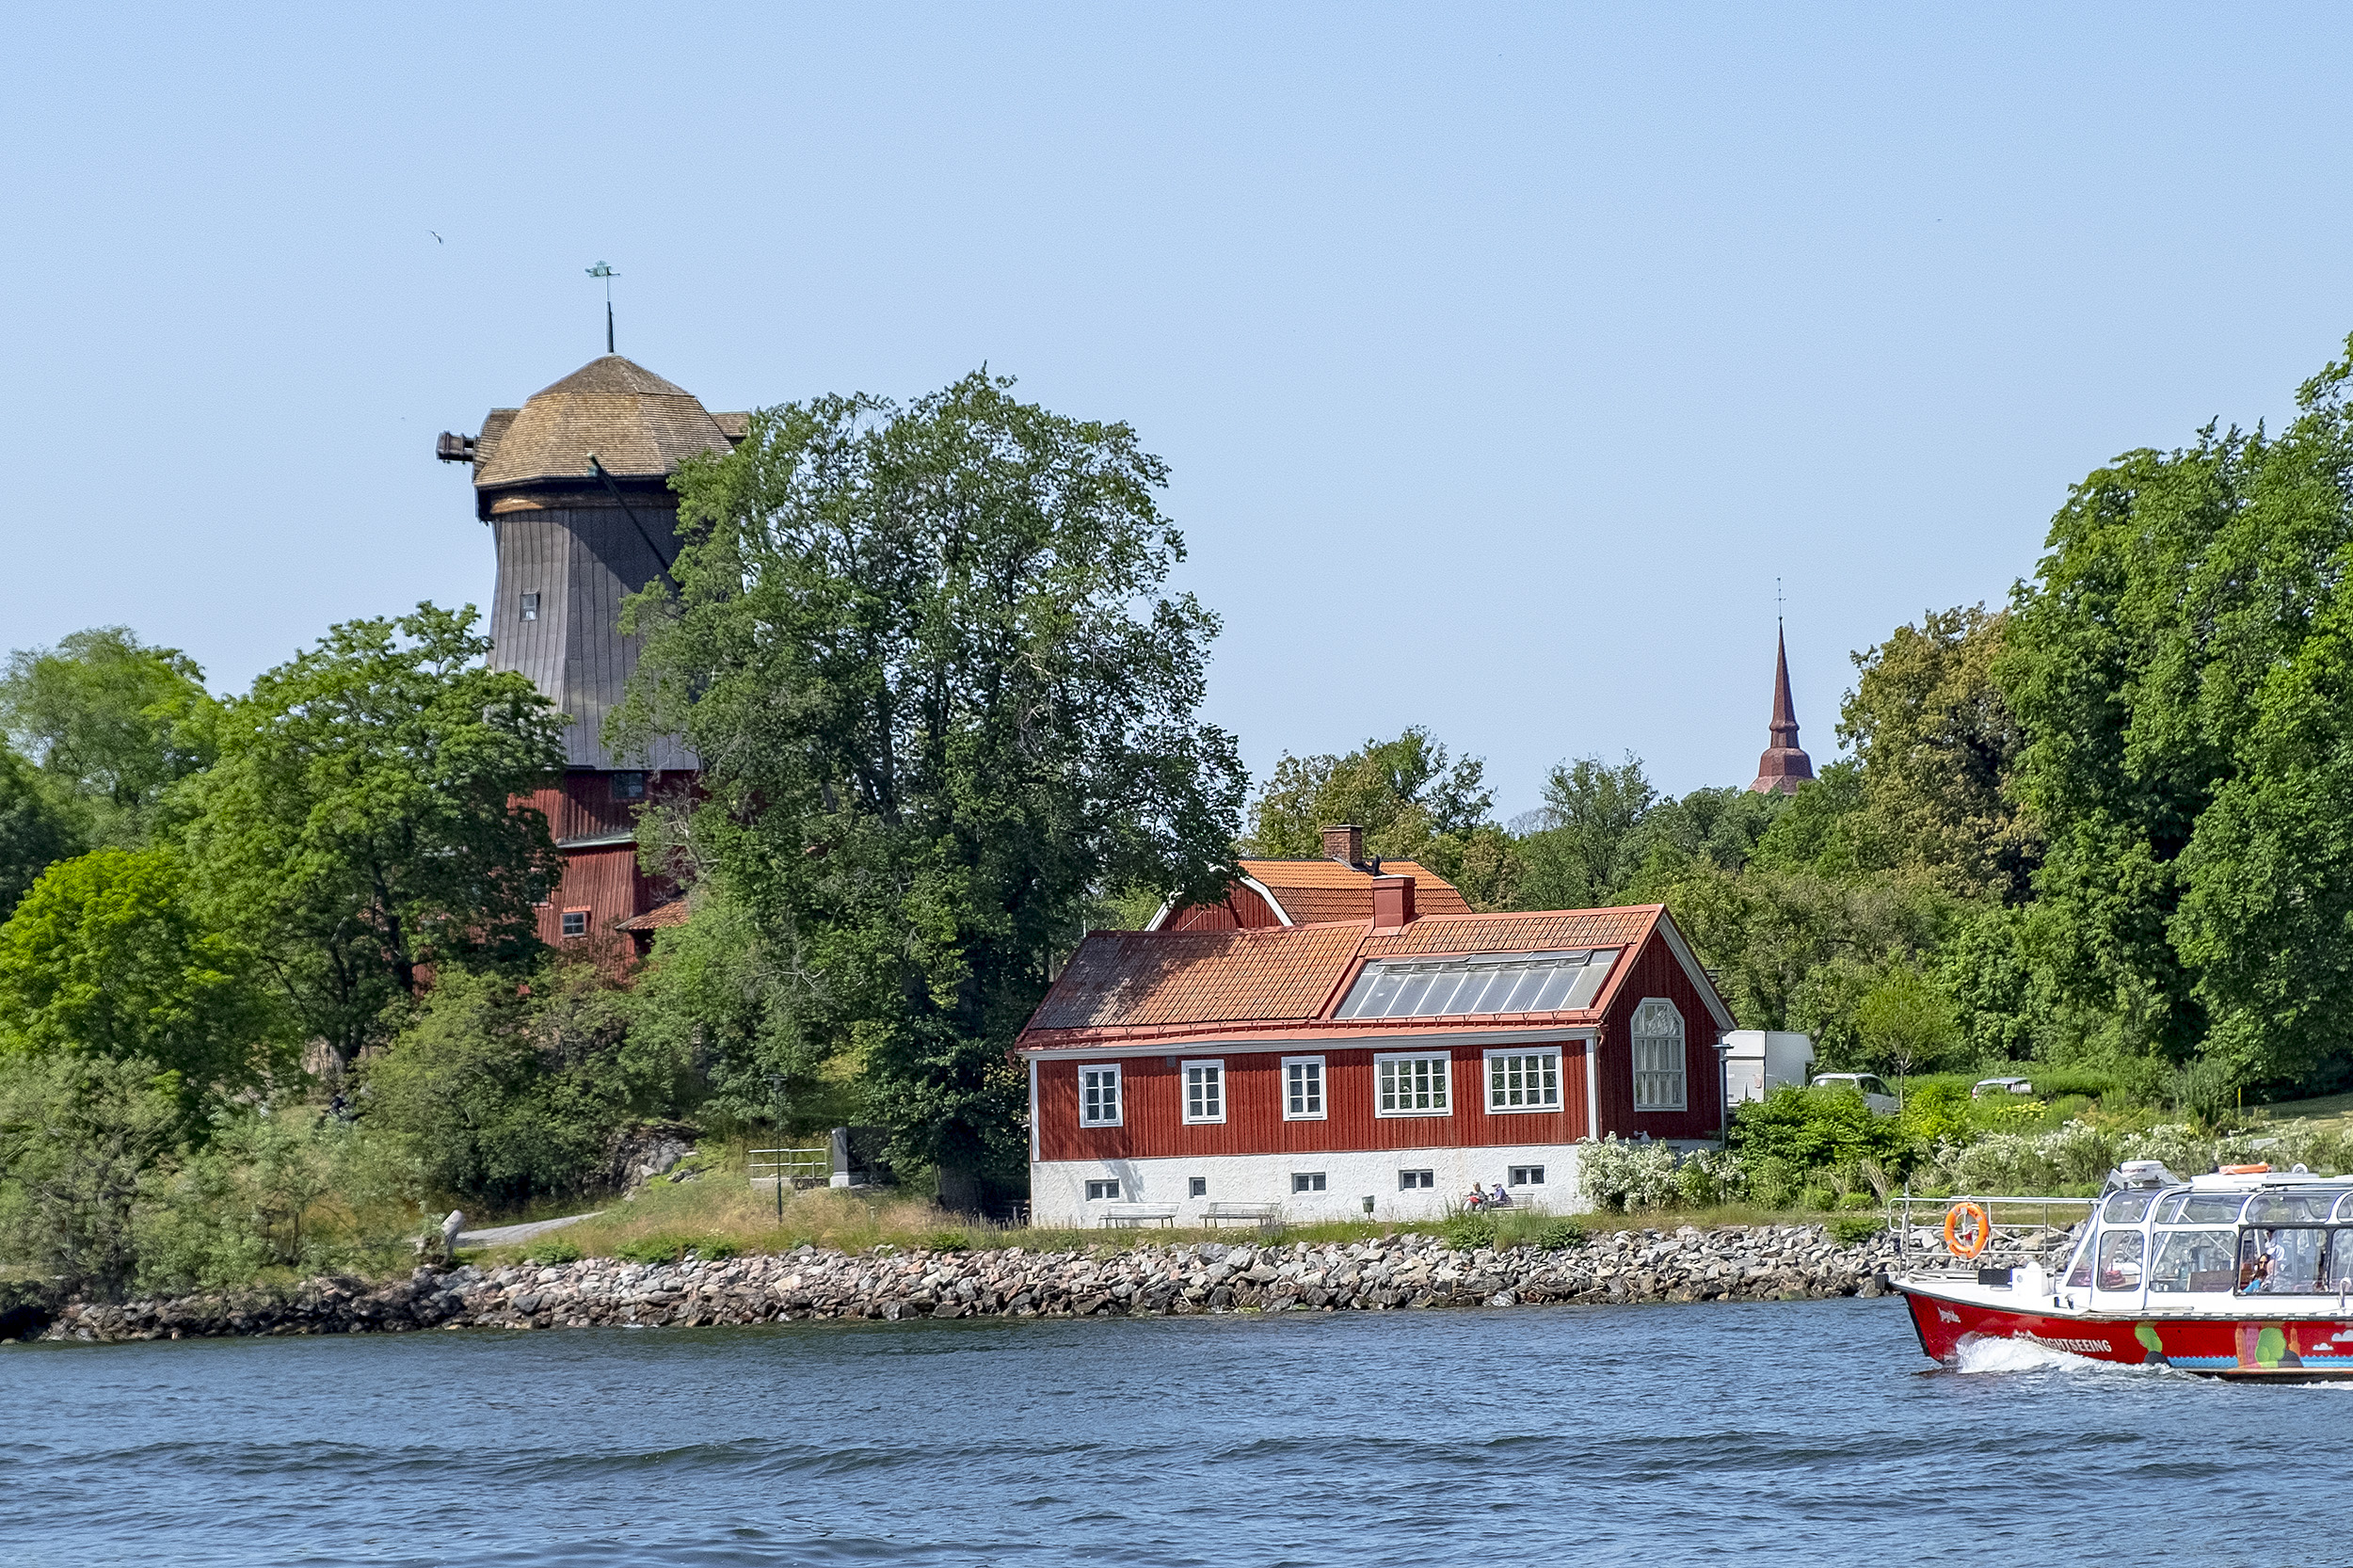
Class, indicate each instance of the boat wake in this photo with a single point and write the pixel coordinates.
(1989, 1354)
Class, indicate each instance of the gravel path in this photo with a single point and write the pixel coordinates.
(503, 1236)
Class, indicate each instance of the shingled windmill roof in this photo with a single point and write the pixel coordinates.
(639, 425)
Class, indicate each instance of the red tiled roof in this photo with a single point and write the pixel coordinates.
(1283, 980)
(660, 918)
(1312, 891)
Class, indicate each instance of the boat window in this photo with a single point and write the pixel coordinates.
(2212, 1208)
(2337, 1273)
(2290, 1208)
(2282, 1261)
(2079, 1270)
(2192, 1260)
(2127, 1208)
(2120, 1260)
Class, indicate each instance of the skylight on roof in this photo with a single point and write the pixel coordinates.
(1481, 982)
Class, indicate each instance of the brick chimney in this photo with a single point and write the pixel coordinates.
(1392, 903)
(1344, 842)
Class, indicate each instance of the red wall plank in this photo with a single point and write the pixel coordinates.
(1155, 1126)
(1657, 972)
(1241, 909)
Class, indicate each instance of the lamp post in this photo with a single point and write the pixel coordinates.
(775, 1087)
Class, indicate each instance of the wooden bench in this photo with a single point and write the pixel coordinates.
(1137, 1213)
(1260, 1213)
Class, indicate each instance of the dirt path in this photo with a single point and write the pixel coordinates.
(506, 1236)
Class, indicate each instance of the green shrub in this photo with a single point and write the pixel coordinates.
(1560, 1235)
(1813, 1128)
(1814, 1200)
(949, 1240)
(1625, 1176)
(651, 1249)
(1850, 1230)
(712, 1249)
(1774, 1182)
(1469, 1232)
(552, 1250)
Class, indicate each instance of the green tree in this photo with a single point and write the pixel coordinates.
(365, 819)
(1412, 800)
(1580, 847)
(35, 833)
(105, 957)
(2173, 667)
(1906, 1024)
(942, 701)
(1936, 744)
(81, 1138)
(112, 723)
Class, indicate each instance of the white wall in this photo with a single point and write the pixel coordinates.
(1058, 1188)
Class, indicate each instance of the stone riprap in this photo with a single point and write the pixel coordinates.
(1781, 1262)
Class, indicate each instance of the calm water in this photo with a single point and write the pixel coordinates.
(1796, 1433)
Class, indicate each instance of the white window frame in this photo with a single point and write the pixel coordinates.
(1213, 1065)
(1119, 1095)
(1651, 1009)
(1196, 1187)
(1323, 1089)
(1487, 1074)
(1315, 1181)
(1408, 1182)
(1095, 1197)
(1526, 1176)
(1445, 1081)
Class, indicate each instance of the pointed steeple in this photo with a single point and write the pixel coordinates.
(1784, 764)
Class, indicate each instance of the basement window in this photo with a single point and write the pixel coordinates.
(1196, 1187)
(1307, 1181)
(1098, 1096)
(531, 606)
(1205, 1091)
(1415, 1181)
(1527, 1176)
(575, 922)
(1098, 1191)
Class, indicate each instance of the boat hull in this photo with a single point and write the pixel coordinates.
(2254, 1348)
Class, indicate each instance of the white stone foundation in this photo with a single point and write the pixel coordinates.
(1058, 1188)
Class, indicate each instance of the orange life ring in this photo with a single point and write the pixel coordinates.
(1980, 1230)
(2244, 1170)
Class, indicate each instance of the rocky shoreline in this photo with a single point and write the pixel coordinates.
(1388, 1273)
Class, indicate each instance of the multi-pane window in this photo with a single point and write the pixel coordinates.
(1411, 1085)
(1099, 1190)
(1527, 1176)
(1524, 1081)
(1098, 1096)
(1657, 1056)
(1196, 1187)
(1413, 1181)
(1205, 1091)
(575, 922)
(1302, 1088)
(1307, 1181)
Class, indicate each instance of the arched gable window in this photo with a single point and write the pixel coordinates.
(1658, 1075)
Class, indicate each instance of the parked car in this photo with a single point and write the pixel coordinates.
(1987, 1087)
(1874, 1093)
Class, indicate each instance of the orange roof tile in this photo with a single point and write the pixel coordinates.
(1311, 891)
(1281, 981)
(660, 918)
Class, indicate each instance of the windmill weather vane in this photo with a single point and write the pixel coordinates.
(605, 271)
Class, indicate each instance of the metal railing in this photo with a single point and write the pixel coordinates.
(2019, 1227)
(810, 1167)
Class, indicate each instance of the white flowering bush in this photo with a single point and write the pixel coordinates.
(1635, 1178)
(2177, 1147)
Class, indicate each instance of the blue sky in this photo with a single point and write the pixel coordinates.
(1504, 356)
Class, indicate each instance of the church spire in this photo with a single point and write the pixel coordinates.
(1784, 764)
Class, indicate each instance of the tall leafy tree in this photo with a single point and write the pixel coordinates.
(363, 820)
(105, 957)
(112, 722)
(36, 831)
(1580, 847)
(1414, 802)
(942, 700)
(2176, 654)
(1937, 744)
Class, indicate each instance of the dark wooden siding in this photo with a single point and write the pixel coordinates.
(1658, 973)
(1241, 909)
(1154, 1124)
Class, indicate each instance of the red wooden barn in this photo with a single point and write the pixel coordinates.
(1393, 1059)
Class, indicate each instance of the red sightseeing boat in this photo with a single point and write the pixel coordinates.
(2244, 1273)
